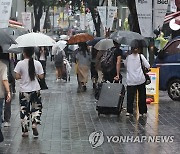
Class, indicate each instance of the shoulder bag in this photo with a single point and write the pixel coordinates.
(145, 71)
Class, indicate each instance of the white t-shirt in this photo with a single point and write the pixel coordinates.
(26, 85)
(3, 76)
(135, 75)
(42, 56)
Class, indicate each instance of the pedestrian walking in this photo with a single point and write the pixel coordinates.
(59, 55)
(4, 91)
(94, 73)
(114, 73)
(42, 57)
(28, 71)
(6, 59)
(136, 81)
(83, 59)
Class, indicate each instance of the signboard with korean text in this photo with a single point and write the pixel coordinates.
(5, 11)
(112, 11)
(160, 10)
(102, 14)
(26, 19)
(153, 88)
(144, 12)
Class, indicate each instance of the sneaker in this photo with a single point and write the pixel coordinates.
(35, 131)
(7, 124)
(25, 134)
(128, 114)
(143, 115)
(58, 80)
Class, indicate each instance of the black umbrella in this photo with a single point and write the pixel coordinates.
(94, 41)
(130, 38)
(5, 38)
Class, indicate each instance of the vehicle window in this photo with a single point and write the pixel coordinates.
(173, 48)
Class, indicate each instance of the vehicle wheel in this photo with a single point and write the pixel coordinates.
(174, 90)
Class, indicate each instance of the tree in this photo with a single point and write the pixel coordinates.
(133, 19)
(92, 6)
(39, 6)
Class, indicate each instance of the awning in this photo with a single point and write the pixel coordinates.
(15, 23)
(169, 17)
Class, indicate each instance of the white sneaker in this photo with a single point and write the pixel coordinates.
(128, 114)
(7, 124)
(143, 115)
(58, 80)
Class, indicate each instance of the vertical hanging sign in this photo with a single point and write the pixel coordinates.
(102, 14)
(144, 13)
(26, 19)
(5, 11)
(42, 20)
(160, 9)
(82, 21)
(112, 10)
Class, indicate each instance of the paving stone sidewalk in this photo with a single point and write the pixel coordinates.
(69, 118)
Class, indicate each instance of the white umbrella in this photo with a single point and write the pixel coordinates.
(34, 39)
(61, 44)
(73, 47)
(64, 37)
(104, 44)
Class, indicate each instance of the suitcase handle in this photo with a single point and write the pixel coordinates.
(119, 81)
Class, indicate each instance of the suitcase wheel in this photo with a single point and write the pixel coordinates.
(99, 114)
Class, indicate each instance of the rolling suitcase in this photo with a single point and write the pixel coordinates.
(111, 99)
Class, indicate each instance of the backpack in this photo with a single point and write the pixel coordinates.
(58, 58)
(107, 61)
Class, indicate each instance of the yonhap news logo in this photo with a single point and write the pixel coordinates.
(97, 139)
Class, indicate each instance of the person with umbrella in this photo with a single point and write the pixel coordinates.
(115, 74)
(136, 81)
(4, 89)
(83, 60)
(42, 57)
(28, 71)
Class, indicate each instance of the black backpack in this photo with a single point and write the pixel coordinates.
(58, 59)
(107, 60)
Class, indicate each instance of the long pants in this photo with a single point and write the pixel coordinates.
(43, 63)
(131, 92)
(7, 111)
(1, 109)
(30, 107)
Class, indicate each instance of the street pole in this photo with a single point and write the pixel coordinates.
(25, 4)
(53, 15)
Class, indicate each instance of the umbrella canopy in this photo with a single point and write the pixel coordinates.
(94, 41)
(104, 44)
(81, 37)
(61, 44)
(130, 38)
(12, 49)
(73, 47)
(5, 39)
(34, 39)
(64, 37)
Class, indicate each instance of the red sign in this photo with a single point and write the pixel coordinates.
(177, 2)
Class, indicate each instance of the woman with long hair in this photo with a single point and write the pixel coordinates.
(42, 57)
(136, 81)
(28, 71)
(83, 59)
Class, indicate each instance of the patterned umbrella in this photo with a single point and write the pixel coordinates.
(81, 37)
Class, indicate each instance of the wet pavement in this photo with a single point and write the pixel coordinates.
(69, 118)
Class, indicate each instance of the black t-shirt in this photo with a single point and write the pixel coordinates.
(117, 52)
